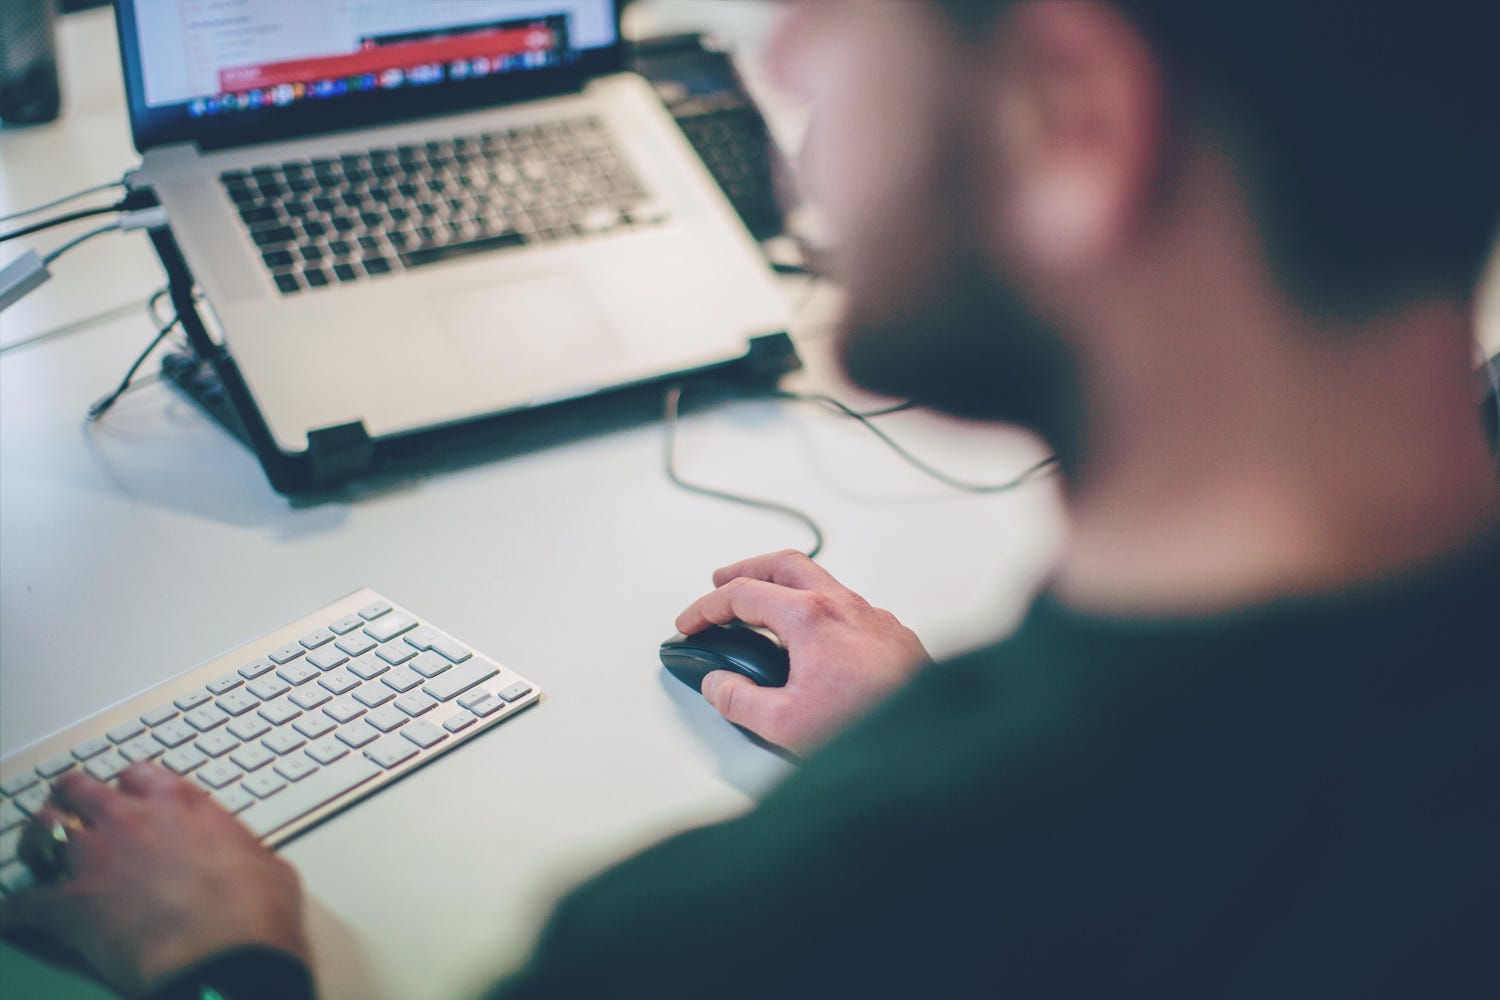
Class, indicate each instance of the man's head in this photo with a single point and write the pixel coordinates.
(1017, 189)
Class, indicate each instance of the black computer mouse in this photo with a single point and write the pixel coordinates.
(734, 647)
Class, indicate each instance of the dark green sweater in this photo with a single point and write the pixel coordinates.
(1297, 800)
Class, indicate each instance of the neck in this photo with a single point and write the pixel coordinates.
(1286, 464)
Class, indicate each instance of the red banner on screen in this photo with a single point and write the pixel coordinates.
(507, 42)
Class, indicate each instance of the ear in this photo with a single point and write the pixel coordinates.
(1079, 126)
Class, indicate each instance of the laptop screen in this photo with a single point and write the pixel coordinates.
(226, 72)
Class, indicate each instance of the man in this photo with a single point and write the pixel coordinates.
(1245, 745)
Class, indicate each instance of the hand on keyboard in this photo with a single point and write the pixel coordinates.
(156, 877)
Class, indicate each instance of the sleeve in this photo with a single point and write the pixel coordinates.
(249, 973)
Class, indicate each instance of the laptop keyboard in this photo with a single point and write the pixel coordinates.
(288, 728)
(329, 220)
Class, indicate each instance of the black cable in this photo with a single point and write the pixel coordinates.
(63, 200)
(670, 415)
(83, 213)
(669, 456)
(102, 405)
(1025, 476)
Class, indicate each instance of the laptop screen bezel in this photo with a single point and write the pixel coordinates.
(152, 127)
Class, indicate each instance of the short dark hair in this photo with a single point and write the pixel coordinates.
(1366, 132)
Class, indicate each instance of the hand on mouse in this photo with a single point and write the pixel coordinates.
(155, 877)
(845, 654)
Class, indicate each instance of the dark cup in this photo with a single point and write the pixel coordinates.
(29, 93)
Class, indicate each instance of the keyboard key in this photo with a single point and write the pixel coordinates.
(326, 750)
(420, 638)
(429, 664)
(234, 799)
(218, 773)
(474, 697)
(402, 679)
(516, 691)
(53, 766)
(237, 702)
(387, 718)
(339, 681)
(143, 747)
(357, 734)
(157, 716)
(344, 709)
(286, 654)
(249, 727)
(10, 815)
(279, 711)
(206, 718)
(389, 751)
(15, 876)
(395, 653)
(298, 673)
(368, 667)
(305, 796)
(34, 798)
(315, 725)
(295, 768)
(105, 766)
(268, 687)
(250, 671)
(346, 624)
(321, 637)
(452, 650)
(125, 731)
(264, 784)
(370, 612)
(459, 721)
(284, 741)
(458, 680)
(373, 694)
(310, 697)
(356, 645)
(487, 706)
(192, 699)
(184, 759)
(226, 683)
(18, 784)
(387, 628)
(423, 733)
(345, 272)
(252, 757)
(217, 744)
(415, 703)
(174, 733)
(328, 658)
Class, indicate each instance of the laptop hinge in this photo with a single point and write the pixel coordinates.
(339, 453)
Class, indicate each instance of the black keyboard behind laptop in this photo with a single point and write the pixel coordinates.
(329, 220)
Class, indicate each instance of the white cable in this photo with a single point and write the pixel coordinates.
(63, 200)
(79, 239)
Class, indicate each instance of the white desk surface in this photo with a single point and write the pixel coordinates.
(137, 547)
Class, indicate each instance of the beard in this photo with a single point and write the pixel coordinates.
(929, 320)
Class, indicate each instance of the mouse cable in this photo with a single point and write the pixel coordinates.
(63, 200)
(1027, 475)
(670, 404)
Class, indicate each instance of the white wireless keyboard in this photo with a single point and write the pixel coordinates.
(288, 729)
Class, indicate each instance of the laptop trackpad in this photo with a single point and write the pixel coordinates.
(532, 333)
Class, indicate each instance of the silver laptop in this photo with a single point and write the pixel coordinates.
(412, 213)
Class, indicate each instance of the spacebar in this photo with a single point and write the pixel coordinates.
(306, 795)
(447, 251)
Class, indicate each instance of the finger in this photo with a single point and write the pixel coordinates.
(84, 795)
(148, 780)
(789, 568)
(745, 703)
(754, 602)
(47, 854)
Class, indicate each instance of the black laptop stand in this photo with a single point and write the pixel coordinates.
(345, 455)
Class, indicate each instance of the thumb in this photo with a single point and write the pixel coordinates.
(744, 702)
